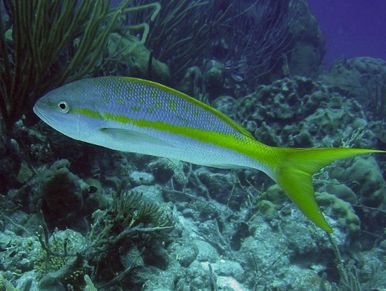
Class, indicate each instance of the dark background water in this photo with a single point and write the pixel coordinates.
(352, 27)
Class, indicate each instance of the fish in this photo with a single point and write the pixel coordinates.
(141, 116)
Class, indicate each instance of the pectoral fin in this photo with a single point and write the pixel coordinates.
(127, 136)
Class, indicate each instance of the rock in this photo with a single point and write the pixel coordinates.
(341, 191)
(131, 258)
(165, 169)
(206, 253)
(229, 268)
(340, 210)
(152, 193)
(184, 253)
(136, 59)
(141, 178)
(62, 195)
(29, 281)
(221, 187)
(267, 209)
(308, 43)
(363, 78)
(369, 183)
(214, 77)
(158, 280)
(227, 283)
(225, 104)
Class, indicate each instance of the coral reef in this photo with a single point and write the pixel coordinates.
(299, 114)
(362, 78)
(187, 32)
(307, 51)
(230, 228)
(340, 210)
(78, 217)
(127, 56)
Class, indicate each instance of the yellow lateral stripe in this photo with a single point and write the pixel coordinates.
(192, 100)
(245, 146)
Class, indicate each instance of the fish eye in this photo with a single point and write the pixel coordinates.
(63, 106)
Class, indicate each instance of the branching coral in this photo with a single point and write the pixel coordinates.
(128, 215)
(259, 38)
(129, 222)
(156, 8)
(127, 226)
(251, 38)
(48, 42)
(178, 35)
(52, 41)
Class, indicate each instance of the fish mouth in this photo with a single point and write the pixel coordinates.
(39, 112)
(42, 114)
(36, 110)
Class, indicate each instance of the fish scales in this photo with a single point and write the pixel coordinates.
(143, 102)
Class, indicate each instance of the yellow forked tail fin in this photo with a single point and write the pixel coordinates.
(294, 172)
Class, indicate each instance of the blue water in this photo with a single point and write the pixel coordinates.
(352, 28)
